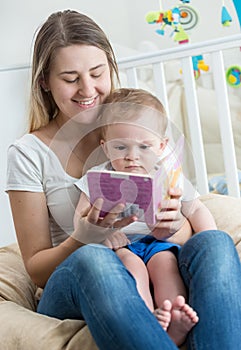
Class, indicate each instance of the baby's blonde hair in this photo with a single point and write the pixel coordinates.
(125, 105)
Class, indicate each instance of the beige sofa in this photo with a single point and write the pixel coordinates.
(22, 328)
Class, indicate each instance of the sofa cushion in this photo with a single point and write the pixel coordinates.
(23, 329)
(15, 283)
(227, 214)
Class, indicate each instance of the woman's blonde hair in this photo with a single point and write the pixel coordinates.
(61, 29)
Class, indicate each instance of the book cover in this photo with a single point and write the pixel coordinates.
(141, 193)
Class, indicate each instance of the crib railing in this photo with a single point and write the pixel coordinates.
(184, 53)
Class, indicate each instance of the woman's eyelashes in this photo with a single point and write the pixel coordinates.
(94, 75)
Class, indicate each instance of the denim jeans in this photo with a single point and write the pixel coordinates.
(93, 284)
(211, 270)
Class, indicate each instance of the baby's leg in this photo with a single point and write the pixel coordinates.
(138, 269)
(165, 277)
(168, 285)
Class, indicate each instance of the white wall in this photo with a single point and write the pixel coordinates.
(13, 102)
(124, 23)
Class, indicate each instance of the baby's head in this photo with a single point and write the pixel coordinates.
(133, 124)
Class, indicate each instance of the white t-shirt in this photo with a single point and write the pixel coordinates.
(188, 193)
(34, 167)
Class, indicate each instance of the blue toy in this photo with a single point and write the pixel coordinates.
(237, 4)
(226, 19)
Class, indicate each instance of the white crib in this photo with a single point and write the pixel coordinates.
(184, 53)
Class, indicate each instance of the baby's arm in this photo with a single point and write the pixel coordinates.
(198, 215)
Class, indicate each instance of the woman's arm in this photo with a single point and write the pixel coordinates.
(31, 221)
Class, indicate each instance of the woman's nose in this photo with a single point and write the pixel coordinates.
(86, 87)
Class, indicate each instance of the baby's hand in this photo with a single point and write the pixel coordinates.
(116, 240)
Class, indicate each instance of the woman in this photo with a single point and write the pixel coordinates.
(72, 72)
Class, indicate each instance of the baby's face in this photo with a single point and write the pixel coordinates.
(132, 148)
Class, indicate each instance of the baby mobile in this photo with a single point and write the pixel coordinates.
(180, 18)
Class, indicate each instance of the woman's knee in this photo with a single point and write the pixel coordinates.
(91, 257)
(92, 263)
(213, 245)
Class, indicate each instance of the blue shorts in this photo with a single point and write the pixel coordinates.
(148, 246)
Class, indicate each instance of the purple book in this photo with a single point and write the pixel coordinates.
(141, 193)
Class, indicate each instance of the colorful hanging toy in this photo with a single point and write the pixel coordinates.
(198, 65)
(233, 76)
(180, 18)
(226, 19)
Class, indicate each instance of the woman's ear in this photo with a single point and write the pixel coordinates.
(104, 147)
(44, 85)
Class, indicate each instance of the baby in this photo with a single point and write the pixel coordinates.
(133, 124)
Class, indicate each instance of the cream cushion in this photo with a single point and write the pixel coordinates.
(22, 328)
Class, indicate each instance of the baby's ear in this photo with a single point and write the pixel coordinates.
(104, 147)
(163, 144)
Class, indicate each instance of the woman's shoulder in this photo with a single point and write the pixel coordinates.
(29, 143)
(28, 151)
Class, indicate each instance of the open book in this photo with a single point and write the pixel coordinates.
(141, 193)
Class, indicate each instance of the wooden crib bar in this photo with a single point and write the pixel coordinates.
(184, 54)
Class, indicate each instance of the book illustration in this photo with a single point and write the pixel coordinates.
(133, 190)
(141, 193)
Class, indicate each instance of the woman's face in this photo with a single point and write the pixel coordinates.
(79, 80)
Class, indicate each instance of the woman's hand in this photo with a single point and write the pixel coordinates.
(170, 218)
(90, 228)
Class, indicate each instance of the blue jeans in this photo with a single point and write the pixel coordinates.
(93, 284)
(210, 267)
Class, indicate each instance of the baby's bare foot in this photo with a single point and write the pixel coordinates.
(183, 318)
(163, 314)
